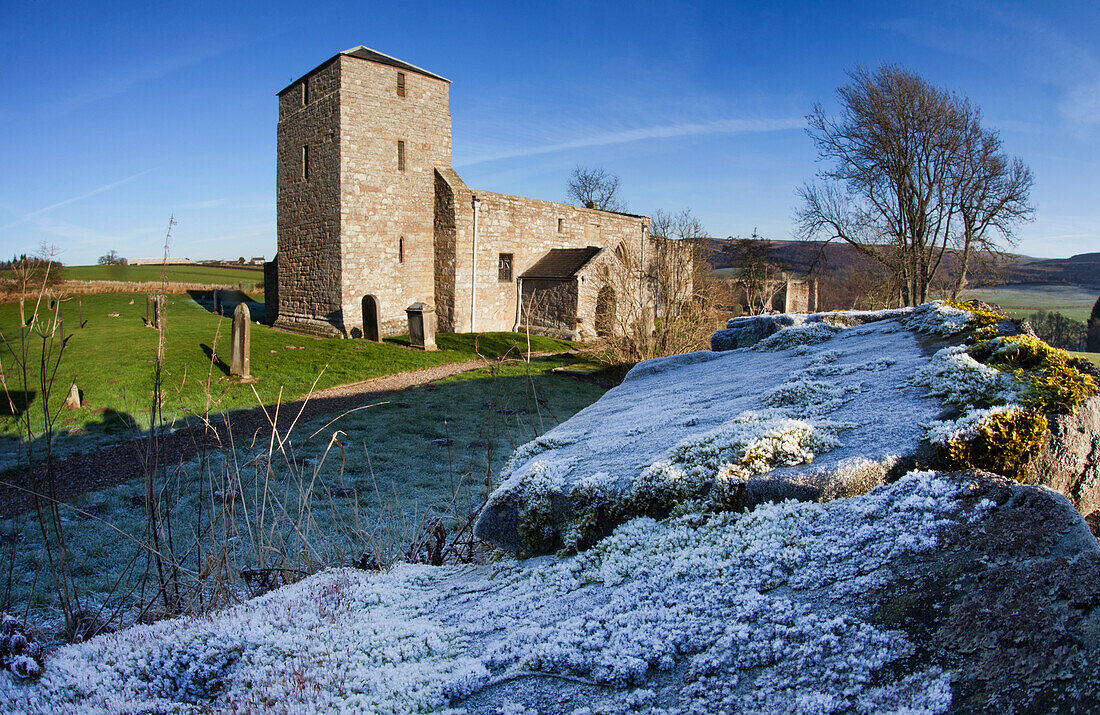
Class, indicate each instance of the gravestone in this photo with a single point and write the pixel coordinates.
(240, 341)
(72, 402)
(217, 303)
(158, 311)
(421, 326)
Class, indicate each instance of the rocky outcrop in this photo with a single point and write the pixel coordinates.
(1070, 458)
(960, 592)
(807, 407)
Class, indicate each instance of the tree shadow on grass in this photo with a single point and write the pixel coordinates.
(13, 403)
(218, 362)
(227, 302)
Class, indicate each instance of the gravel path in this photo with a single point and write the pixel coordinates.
(121, 462)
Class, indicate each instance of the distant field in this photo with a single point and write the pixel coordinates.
(1022, 300)
(1095, 357)
(210, 275)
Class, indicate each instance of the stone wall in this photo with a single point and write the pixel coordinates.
(550, 306)
(271, 290)
(801, 296)
(360, 229)
(387, 215)
(445, 236)
(527, 229)
(307, 208)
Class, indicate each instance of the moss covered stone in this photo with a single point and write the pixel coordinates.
(1052, 383)
(1006, 444)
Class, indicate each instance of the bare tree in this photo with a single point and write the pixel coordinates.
(664, 293)
(992, 198)
(111, 258)
(595, 188)
(898, 150)
(759, 278)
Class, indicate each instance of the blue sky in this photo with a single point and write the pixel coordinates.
(117, 116)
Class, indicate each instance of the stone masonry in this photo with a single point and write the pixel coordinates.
(372, 218)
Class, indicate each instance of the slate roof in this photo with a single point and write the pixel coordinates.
(366, 53)
(561, 262)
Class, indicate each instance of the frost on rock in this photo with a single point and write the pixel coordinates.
(833, 394)
(804, 334)
(746, 608)
(944, 432)
(956, 377)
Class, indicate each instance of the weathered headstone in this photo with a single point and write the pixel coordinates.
(421, 326)
(240, 341)
(158, 311)
(72, 402)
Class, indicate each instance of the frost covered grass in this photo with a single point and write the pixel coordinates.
(758, 612)
(366, 485)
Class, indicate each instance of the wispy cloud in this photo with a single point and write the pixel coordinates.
(720, 126)
(1041, 50)
(124, 78)
(65, 202)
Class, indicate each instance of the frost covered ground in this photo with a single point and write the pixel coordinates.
(918, 596)
(832, 410)
(762, 612)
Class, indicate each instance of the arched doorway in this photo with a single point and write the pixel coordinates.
(370, 318)
(605, 311)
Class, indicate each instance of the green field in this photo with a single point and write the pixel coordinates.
(1095, 357)
(207, 275)
(1023, 300)
(111, 359)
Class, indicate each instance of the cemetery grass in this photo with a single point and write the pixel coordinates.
(208, 275)
(111, 360)
(357, 490)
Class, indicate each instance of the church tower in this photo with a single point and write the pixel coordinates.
(359, 141)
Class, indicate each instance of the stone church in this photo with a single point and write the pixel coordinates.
(372, 218)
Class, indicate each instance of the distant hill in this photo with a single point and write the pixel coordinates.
(1082, 269)
(839, 258)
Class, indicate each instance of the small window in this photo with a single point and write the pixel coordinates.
(400, 84)
(400, 249)
(305, 163)
(561, 225)
(400, 155)
(504, 267)
(305, 91)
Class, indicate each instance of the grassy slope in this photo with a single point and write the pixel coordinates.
(112, 359)
(175, 274)
(1023, 300)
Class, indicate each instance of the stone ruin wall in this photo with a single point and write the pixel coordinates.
(801, 296)
(383, 206)
(307, 211)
